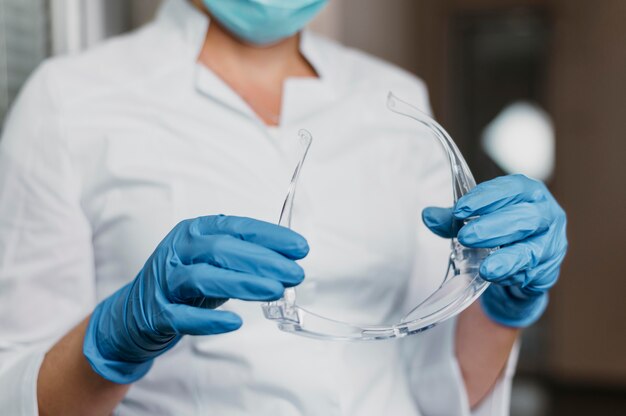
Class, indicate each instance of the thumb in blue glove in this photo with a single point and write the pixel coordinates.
(520, 216)
(198, 265)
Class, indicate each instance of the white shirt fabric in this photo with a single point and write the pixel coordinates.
(104, 152)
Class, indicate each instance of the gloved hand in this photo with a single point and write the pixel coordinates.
(200, 263)
(522, 217)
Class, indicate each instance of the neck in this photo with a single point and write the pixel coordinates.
(223, 52)
(256, 73)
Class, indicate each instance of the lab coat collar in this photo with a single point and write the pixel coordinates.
(185, 20)
(301, 96)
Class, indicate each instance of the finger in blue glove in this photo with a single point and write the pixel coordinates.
(520, 216)
(198, 265)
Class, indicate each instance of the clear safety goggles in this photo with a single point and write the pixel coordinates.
(459, 287)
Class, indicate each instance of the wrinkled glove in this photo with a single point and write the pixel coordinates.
(200, 263)
(520, 216)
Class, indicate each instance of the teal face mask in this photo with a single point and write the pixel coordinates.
(263, 22)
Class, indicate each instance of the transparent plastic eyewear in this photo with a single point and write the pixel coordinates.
(459, 288)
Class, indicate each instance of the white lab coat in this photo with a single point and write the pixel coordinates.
(103, 153)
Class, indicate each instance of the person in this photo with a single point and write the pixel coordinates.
(115, 265)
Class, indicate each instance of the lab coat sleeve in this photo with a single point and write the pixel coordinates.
(46, 259)
(436, 379)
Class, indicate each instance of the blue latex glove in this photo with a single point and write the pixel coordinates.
(200, 263)
(522, 217)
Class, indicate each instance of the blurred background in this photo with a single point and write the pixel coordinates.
(528, 86)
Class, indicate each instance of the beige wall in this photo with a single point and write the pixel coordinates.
(588, 96)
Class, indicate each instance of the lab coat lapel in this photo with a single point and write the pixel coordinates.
(303, 97)
(210, 85)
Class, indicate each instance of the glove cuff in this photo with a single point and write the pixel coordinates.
(508, 306)
(119, 372)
